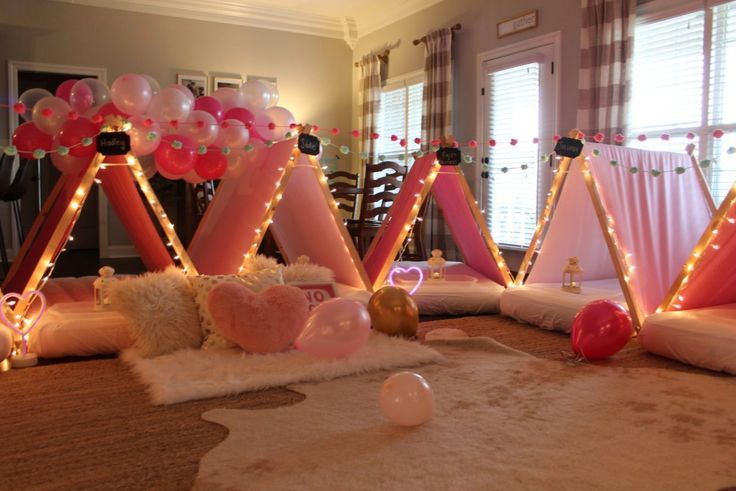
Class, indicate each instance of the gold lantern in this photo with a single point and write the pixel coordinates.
(436, 265)
(572, 276)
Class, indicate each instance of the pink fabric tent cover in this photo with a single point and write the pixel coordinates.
(303, 224)
(123, 195)
(657, 220)
(228, 227)
(713, 282)
(447, 190)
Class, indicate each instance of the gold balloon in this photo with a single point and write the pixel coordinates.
(394, 312)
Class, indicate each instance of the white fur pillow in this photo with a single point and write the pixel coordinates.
(302, 270)
(161, 310)
(203, 285)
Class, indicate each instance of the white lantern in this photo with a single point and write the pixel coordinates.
(102, 286)
(436, 265)
(572, 276)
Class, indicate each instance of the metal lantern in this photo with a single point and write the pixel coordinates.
(101, 286)
(572, 276)
(436, 265)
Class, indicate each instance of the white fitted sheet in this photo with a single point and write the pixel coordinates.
(546, 305)
(464, 291)
(704, 337)
(76, 329)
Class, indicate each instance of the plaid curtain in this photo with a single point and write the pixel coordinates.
(606, 45)
(436, 123)
(370, 82)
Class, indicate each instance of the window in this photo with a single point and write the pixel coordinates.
(519, 104)
(400, 115)
(681, 85)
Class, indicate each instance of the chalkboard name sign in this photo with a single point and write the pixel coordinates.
(568, 147)
(115, 143)
(449, 156)
(308, 144)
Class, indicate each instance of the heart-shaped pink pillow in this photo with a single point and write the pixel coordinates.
(266, 322)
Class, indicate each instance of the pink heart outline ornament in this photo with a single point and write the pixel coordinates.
(407, 270)
(23, 332)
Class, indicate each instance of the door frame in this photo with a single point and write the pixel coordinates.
(16, 66)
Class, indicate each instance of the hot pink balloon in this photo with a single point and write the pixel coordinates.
(210, 105)
(273, 123)
(131, 93)
(87, 94)
(600, 330)
(73, 132)
(64, 90)
(112, 110)
(192, 177)
(27, 138)
(212, 164)
(145, 135)
(175, 155)
(170, 104)
(228, 97)
(50, 113)
(336, 328)
(233, 134)
(241, 114)
(169, 175)
(200, 127)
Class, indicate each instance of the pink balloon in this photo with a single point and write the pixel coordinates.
(27, 138)
(600, 330)
(145, 135)
(228, 97)
(148, 165)
(131, 93)
(407, 399)
(111, 110)
(238, 160)
(64, 90)
(29, 99)
(175, 161)
(200, 127)
(255, 95)
(50, 113)
(87, 94)
(73, 132)
(212, 164)
(171, 104)
(241, 114)
(187, 93)
(210, 105)
(69, 164)
(233, 134)
(273, 123)
(193, 178)
(169, 175)
(336, 328)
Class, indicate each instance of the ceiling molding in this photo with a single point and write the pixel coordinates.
(349, 25)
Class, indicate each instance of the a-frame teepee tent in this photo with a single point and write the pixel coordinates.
(120, 177)
(460, 211)
(627, 214)
(287, 192)
(696, 322)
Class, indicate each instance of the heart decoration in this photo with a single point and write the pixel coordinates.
(407, 270)
(22, 331)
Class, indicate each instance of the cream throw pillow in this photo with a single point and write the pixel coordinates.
(161, 311)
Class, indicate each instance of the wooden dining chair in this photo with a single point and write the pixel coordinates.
(345, 188)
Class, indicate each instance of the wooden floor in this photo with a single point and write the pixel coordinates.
(87, 424)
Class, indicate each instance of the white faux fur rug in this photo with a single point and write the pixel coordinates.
(196, 374)
(503, 420)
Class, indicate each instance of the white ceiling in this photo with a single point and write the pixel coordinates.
(341, 19)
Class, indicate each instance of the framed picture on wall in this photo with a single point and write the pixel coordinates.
(197, 83)
(272, 80)
(230, 82)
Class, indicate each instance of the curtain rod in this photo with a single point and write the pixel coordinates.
(423, 39)
(381, 56)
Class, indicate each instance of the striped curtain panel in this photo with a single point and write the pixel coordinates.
(606, 45)
(370, 83)
(436, 123)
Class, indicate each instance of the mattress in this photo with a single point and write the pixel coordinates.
(463, 291)
(546, 305)
(76, 329)
(704, 337)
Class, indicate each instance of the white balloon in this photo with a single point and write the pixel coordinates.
(407, 399)
(273, 93)
(29, 98)
(255, 95)
(280, 117)
(168, 105)
(155, 86)
(228, 97)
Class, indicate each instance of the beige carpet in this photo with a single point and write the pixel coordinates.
(89, 424)
(503, 420)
